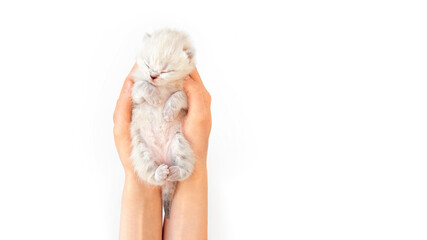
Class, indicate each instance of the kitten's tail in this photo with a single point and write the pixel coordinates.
(167, 194)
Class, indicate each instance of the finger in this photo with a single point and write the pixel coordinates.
(128, 78)
(195, 96)
(195, 75)
(123, 111)
(191, 87)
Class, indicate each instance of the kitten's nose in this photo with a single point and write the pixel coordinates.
(153, 76)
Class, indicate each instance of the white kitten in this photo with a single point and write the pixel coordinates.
(161, 155)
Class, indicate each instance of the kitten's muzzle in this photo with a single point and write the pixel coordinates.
(153, 76)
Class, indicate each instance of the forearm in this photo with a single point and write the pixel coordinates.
(188, 219)
(141, 212)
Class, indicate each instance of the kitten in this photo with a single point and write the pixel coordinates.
(161, 155)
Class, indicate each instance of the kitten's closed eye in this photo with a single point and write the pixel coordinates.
(166, 71)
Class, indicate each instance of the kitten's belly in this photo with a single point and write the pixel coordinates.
(155, 131)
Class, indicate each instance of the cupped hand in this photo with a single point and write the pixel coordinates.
(198, 121)
(122, 117)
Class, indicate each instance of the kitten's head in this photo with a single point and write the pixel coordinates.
(166, 56)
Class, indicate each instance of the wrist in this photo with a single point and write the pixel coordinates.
(130, 175)
(137, 187)
(200, 169)
(201, 153)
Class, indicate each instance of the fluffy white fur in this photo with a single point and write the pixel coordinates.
(161, 155)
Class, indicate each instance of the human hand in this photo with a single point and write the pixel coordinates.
(198, 121)
(141, 203)
(189, 211)
(122, 117)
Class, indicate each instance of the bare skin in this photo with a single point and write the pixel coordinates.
(189, 211)
(141, 214)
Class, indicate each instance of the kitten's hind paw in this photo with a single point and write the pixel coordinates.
(177, 174)
(161, 173)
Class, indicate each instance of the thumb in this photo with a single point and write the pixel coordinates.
(123, 112)
(197, 104)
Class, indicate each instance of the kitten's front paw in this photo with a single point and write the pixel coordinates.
(161, 173)
(177, 174)
(169, 113)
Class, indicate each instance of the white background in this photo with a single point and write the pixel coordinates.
(319, 115)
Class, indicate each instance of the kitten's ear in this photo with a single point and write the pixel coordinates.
(189, 52)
